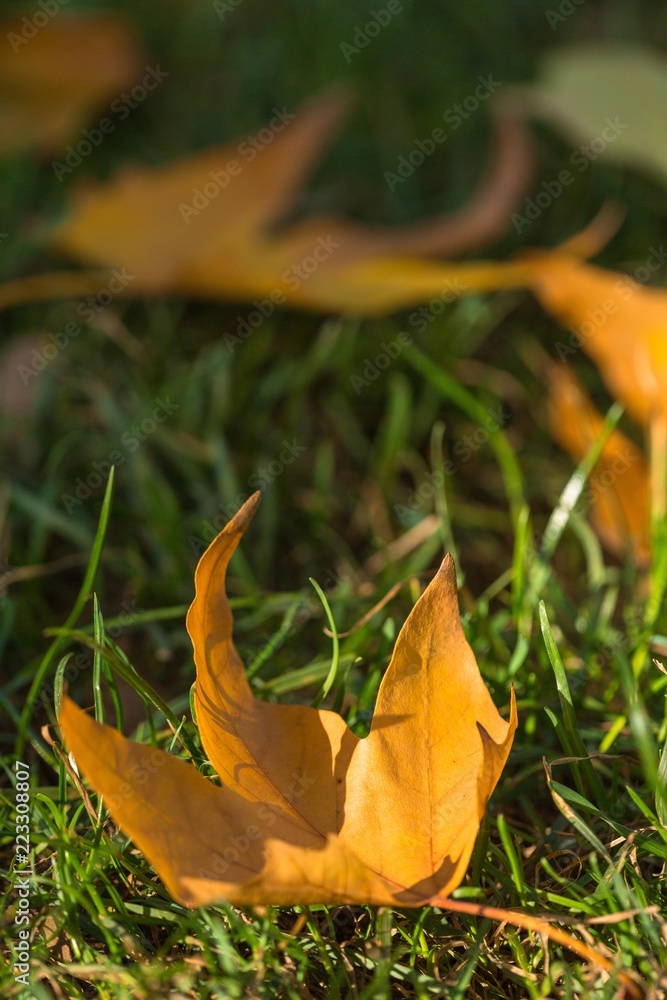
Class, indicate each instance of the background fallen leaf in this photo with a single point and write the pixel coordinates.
(608, 98)
(55, 76)
(213, 225)
(614, 319)
(618, 487)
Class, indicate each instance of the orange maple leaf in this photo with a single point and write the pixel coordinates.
(306, 811)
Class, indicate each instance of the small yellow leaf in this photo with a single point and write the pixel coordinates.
(307, 812)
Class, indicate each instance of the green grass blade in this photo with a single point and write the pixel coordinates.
(79, 604)
(577, 747)
(450, 388)
(98, 633)
(335, 652)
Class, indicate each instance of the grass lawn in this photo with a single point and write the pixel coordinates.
(370, 471)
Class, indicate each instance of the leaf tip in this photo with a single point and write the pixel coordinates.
(246, 511)
(446, 575)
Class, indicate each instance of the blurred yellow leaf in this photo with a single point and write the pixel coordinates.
(213, 225)
(618, 488)
(618, 322)
(306, 811)
(55, 75)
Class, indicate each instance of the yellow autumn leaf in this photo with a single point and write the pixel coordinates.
(54, 76)
(212, 225)
(618, 322)
(306, 811)
(618, 488)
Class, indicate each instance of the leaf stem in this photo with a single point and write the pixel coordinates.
(541, 926)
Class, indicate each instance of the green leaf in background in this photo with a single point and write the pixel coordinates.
(609, 99)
